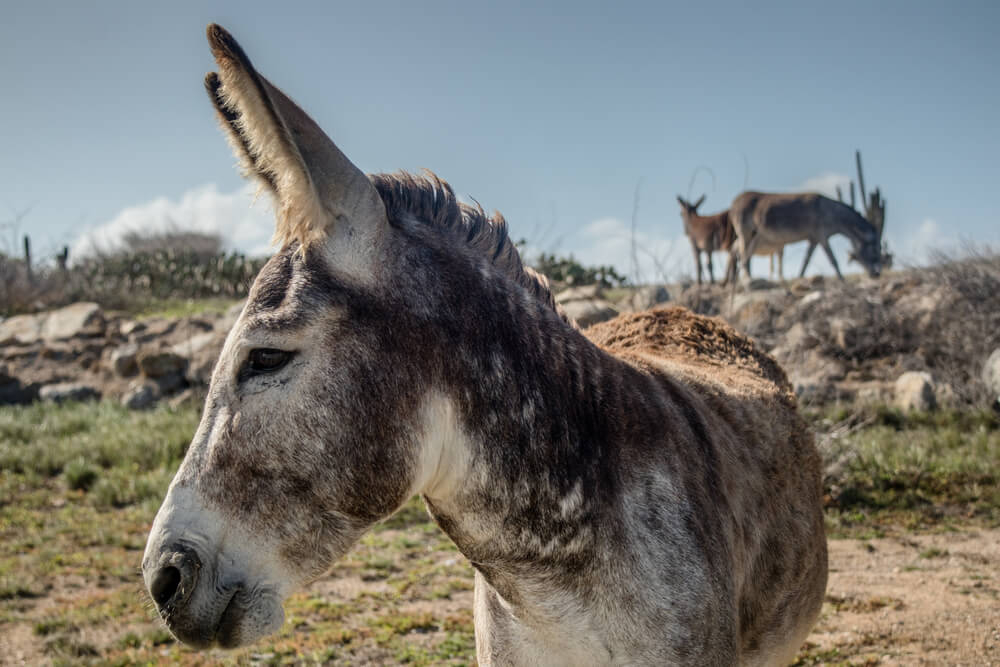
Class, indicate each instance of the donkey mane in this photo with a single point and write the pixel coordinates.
(430, 200)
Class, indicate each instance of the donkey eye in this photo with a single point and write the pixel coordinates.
(266, 360)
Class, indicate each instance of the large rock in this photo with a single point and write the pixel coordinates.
(581, 293)
(141, 395)
(201, 351)
(195, 344)
(586, 313)
(916, 390)
(814, 376)
(68, 391)
(124, 360)
(648, 296)
(78, 319)
(161, 363)
(21, 329)
(991, 374)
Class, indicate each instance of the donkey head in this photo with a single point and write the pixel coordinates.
(318, 422)
(869, 256)
(689, 210)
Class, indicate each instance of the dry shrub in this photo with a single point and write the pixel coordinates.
(162, 265)
(966, 328)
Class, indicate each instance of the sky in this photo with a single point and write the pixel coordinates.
(571, 118)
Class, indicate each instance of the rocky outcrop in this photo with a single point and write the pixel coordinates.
(81, 352)
(914, 338)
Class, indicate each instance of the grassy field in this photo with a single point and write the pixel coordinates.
(80, 484)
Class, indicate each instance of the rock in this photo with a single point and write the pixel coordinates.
(21, 329)
(760, 284)
(78, 319)
(799, 338)
(814, 377)
(189, 396)
(755, 311)
(124, 360)
(204, 352)
(586, 313)
(161, 363)
(129, 327)
(811, 297)
(991, 374)
(915, 390)
(68, 391)
(152, 329)
(12, 392)
(844, 333)
(648, 296)
(141, 395)
(193, 345)
(170, 383)
(581, 293)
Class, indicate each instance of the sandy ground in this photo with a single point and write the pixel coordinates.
(899, 600)
(912, 600)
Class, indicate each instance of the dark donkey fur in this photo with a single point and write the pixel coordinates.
(644, 493)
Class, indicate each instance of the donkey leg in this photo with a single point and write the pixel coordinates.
(731, 268)
(697, 262)
(833, 260)
(746, 253)
(781, 264)
(809, 254)
(711, 273)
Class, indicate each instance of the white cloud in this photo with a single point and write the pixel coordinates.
(918, 246)
(826, 184)
(203, 209)
(609, 241)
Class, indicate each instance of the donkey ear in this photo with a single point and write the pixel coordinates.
(701, 200)
(319, 192)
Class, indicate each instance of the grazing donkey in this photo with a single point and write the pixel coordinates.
(712, 233)
(769, 219)
(645, 495)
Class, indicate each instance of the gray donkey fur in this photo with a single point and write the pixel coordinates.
(644, 493)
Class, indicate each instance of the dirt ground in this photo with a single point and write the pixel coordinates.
(911, 600)
(905, 599)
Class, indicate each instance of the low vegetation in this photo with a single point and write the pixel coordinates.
(162, 267)
(80, 484)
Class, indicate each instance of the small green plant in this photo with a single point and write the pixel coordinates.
(80, 474)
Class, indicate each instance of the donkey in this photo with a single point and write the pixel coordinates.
(643, 495)
(768, 219)
(712, 233)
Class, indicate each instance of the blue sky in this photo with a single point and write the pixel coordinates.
(551, 113)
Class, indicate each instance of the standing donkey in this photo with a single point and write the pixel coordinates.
(768, 218)
(645, 494)
(712, 233)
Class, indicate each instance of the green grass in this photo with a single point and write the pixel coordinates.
(174, 308)
(80, 484)
(914, 470)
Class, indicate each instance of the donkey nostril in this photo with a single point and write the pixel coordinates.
(165, 584)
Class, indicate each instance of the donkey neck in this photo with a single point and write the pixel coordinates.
(541, 411)
(851, 224)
